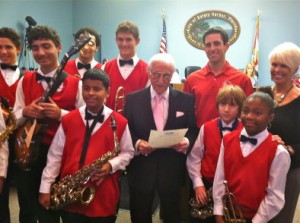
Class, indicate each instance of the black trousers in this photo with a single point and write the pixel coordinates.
(28, 183)
(4, 205)
(69, 217)
(141, 205)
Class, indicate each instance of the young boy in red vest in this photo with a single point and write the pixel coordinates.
(72, 150)
(86, 58)
(127, 70)
(203, 158)
(254, 166)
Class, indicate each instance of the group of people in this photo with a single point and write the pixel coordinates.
(245, 138)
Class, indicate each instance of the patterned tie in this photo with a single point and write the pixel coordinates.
(158, 112)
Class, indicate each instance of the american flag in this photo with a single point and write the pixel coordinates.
(163, 41)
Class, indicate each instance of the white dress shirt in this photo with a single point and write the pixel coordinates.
(3, 149)
(51, 171)
(20, 97)
(127, 69)
(274, 199)
(195, 157)
(10, 76)
(83, 70)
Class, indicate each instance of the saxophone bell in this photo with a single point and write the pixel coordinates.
(87, 195)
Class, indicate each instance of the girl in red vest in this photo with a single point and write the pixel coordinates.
(203, 158)
(254, 166)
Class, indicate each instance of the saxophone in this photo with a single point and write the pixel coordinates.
(202, 211)
(72, 188)
(11, 123)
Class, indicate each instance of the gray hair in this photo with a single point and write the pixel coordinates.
(163, 58)
(287, 53)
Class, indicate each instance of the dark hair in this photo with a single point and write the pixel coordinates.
(11, 34)
(265, 97)
(266, 89)
(96, 74)
(43, 32)
(90, 31)
(219, 30)
(128, 27)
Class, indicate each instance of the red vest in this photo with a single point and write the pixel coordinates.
(212, 142)
(107, 193)
(8, 92)
(65, 99)
(71, 68)
(248, 176)
(137, 80)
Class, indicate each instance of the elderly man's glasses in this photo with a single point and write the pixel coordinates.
(158, 75)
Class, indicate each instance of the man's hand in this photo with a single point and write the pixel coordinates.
(99, 175)
(50, 109)
(181, 147)
(144, 148)
(44, 200)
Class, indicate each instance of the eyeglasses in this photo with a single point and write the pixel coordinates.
(164, 76)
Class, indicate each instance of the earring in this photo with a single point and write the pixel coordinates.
(269, 126)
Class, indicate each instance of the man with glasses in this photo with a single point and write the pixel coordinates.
(161, 170)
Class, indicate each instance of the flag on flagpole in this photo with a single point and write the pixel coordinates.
(255, 50)
(163, 41)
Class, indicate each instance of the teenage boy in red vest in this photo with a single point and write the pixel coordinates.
(86, 58)
(45, 45)
(127, 70)
(254, 166)
(68, 152)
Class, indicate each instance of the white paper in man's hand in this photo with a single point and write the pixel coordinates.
(167, 138)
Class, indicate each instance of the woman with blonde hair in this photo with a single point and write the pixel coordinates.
(284, 63)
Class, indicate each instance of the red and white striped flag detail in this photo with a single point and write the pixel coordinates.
(163, 41)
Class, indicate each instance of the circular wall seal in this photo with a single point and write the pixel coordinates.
(198, 24)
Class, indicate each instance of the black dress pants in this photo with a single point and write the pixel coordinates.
(28, 184)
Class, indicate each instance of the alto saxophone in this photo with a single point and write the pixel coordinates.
(72, 188)
(11, 122)
(202, 211)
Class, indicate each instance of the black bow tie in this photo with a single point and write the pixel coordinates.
(253, 141)
(123, 62)
(6, 66)
(234, 125)
(40, 77)
(81, 65)
(98, 118)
